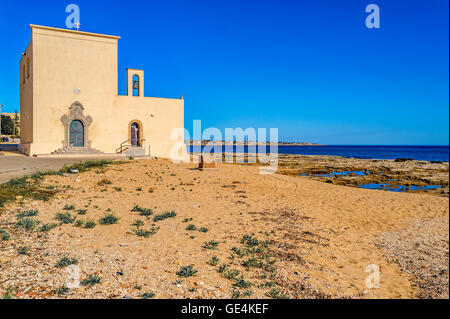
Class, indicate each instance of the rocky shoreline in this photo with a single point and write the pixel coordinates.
(400, 175)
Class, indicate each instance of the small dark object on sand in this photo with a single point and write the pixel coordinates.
(400, 160)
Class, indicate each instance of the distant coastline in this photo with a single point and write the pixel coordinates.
(406, 153)
(229, 143)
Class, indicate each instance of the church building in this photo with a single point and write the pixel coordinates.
(69, 101)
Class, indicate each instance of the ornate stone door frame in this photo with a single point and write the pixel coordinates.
(76, 113)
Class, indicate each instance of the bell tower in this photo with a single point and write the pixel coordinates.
(135, 82)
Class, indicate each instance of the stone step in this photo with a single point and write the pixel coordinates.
(77, 151)
(135, 152)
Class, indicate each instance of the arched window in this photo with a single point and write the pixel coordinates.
(28, 68)
(136, 85)
(23, 74)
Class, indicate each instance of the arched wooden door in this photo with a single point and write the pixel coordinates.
(134, 134)
(76, 134)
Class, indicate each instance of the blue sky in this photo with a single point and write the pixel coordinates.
(310, 68)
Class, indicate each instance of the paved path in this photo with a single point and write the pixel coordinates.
(17, 166)
(14, 164)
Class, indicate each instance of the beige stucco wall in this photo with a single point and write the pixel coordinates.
(65, 61)
(158, 116)
(26, 99)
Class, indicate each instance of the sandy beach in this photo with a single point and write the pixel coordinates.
(245, 235)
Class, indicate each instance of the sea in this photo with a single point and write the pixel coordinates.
(420, 153)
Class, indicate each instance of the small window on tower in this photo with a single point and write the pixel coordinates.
(28, 68)
(136, 85)
(23, 74)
